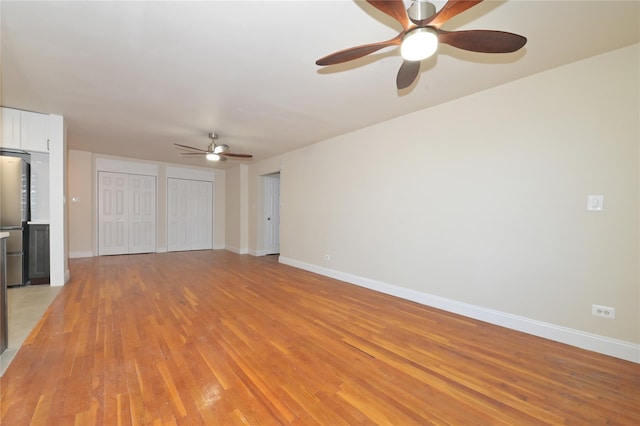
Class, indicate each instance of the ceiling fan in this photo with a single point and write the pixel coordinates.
(214, 152)
(421, 34)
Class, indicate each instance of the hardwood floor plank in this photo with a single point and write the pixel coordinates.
(217, 338)
(42, 409)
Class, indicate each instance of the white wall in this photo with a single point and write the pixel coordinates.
(58, 217)
(480, 203)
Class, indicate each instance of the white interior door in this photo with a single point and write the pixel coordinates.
(142, 218)
(272, 214)
(189, 215)
(113, 217)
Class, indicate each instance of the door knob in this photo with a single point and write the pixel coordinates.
(268, 218)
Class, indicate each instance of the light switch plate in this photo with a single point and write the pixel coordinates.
(595, 203)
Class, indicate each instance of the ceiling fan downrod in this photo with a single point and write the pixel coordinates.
(421, 9)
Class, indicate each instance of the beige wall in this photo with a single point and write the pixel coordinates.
(483, 200)
(236, 209)
(80, 202)
(82, 214)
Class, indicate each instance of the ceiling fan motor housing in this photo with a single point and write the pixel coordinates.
(420, 10)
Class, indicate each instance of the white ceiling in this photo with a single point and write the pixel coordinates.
(132, 78)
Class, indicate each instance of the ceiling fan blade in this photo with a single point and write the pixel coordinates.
(189, 147)
(358, 51)
(231, 154)
(188, 154)
(448, 11)
(484, 41)
(408, 72)
(396, 9)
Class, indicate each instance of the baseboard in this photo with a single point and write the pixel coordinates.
(83, 254)
(581, 339)
(236, 250)
(263, 253)
(67, 277)
(80, 254)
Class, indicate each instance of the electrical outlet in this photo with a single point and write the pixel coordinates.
(603, 311)
(595, 203)
(327, 257)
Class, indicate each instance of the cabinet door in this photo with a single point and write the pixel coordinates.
(34, 131)
(39, 254)
(10, 128)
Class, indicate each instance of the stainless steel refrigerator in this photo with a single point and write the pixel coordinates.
(14, 213)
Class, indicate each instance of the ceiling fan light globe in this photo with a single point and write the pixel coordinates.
(419, 44)
(213, 157)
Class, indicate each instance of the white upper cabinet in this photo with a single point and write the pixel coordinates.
(34, 131)
(10, 128)
(28, 131)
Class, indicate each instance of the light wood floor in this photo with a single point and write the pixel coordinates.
(217, 338)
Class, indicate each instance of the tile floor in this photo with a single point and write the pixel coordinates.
(26, 305)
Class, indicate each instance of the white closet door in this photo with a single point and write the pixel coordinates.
(177, 200)
(142, 217)
(126, 213)
(189, 214)
(201, 215)
(113, 216)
